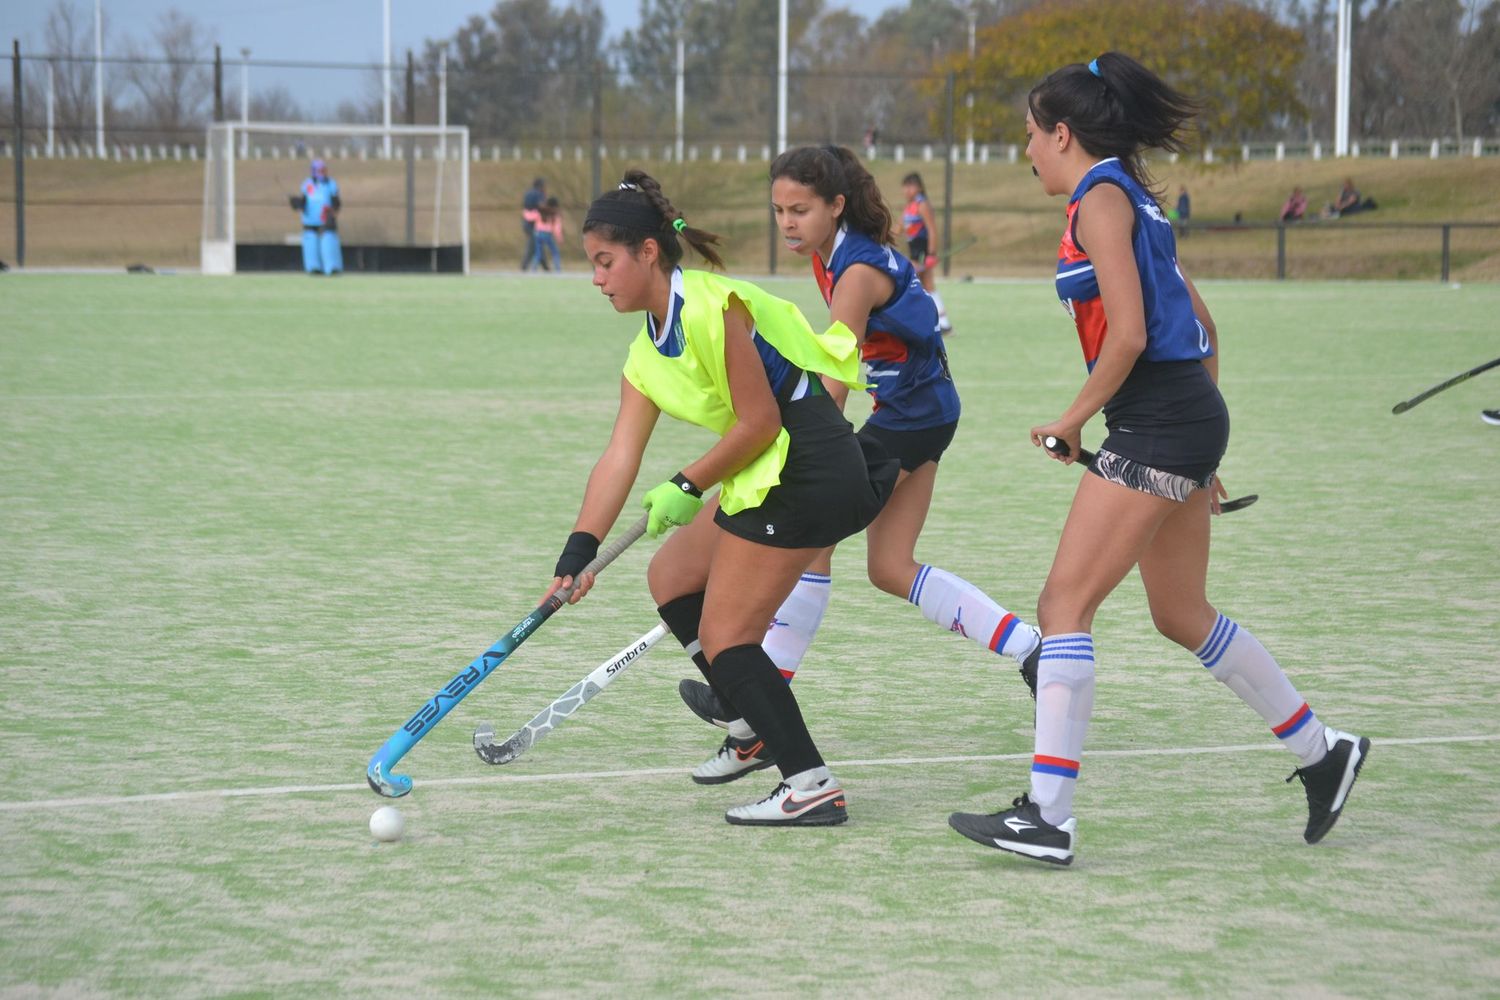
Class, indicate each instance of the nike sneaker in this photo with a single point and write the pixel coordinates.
(1328, 781)
(1020, 830)
(735, 759)
(786, 806)
(1490, 416)
(701, 699)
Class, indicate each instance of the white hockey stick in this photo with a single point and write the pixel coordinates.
(571, 701)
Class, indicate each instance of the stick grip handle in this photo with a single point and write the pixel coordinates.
(1060, 447)
(610, 553)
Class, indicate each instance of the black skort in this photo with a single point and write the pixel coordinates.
(913, 449)
(833, 485)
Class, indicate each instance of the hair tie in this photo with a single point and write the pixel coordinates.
(627, 186)
(1094, 68)
(679, 224)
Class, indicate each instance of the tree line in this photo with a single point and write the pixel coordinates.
(544, 70)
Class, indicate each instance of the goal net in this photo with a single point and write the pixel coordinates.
(404, 190)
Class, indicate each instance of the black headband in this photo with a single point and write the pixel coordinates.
(634, 214)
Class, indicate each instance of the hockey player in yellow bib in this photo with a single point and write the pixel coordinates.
(727, 356)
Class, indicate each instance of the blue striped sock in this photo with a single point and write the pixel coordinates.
(1064, 702)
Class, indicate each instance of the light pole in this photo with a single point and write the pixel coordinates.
(385, 74)
(1341, 81)
(99, 76)
(969, 97)
(244, 103)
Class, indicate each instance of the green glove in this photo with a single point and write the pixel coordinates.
(672, 504)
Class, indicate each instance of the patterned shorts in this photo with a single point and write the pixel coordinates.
(1135, 475)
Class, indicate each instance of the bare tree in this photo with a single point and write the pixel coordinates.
(69, 38)
(170, 75)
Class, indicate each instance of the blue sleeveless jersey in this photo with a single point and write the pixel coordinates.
(1173, 332)
(903, 350)
(319, 192)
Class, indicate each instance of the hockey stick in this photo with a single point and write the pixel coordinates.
(569, 702)
(1405, 405)
(955, 251)
(378, 774)
(1087, 457)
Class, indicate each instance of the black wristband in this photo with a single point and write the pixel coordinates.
(681, 482)
(581, 549)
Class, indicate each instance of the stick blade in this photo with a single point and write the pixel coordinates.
(1239, 503)
(499, 753)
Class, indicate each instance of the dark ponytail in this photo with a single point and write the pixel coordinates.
(831, 171)
(638, 211)
(1115, 107)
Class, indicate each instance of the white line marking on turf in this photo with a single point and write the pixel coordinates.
(654, 772)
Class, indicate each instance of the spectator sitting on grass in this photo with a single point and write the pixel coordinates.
(1349, 201)
(1295, 207)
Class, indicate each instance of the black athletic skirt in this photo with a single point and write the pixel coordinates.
(833, 484)
(913, 449)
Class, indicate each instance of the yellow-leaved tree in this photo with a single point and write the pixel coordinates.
(1238, 61)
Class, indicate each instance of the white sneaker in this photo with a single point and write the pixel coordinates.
(786, 806)
(735, 759)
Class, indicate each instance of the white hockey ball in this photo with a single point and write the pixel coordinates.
(387, 823)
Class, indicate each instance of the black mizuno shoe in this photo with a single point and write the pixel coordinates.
(1329, 780)
(1020, 830)
(701, 699)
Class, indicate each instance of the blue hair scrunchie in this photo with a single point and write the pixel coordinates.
(1094, 68)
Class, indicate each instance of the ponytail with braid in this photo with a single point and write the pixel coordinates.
(831, 171)
(637, 212)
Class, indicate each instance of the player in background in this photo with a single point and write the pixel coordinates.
(829, 208)
(1150, 348)
(746, 365)
(918, 225)
(318, 201)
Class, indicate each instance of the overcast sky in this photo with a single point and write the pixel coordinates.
(300, 30)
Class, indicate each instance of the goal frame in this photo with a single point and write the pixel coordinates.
(221, 158)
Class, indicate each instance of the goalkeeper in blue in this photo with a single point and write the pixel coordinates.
(318, 201)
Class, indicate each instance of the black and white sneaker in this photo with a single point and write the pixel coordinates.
(1020, 830)
(1029, 665)
(701, 699)
(786, 806)
(735, 759)
(1329, 780)
(1490, 416)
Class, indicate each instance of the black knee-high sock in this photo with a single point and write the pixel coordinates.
(682, 615)
(766, 702)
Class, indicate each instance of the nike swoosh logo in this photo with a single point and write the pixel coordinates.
(749, 752)
(1017, 825)
(792, 805)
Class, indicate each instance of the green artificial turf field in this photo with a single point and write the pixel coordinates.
(247, 526)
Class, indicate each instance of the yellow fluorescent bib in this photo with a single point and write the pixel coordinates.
(680, 367)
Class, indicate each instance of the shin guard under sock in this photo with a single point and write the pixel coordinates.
(682, 615)
(766, 702)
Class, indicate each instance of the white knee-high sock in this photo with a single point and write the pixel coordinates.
(1064, 702)
(796, 622)
(1235, 657)
(937, 300)
(958, 606)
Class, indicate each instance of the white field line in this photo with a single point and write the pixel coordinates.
(36, 805)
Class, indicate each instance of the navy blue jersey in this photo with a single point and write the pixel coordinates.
(903, 350)
(1173, 332)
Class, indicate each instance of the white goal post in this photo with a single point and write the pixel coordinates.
(406, 211)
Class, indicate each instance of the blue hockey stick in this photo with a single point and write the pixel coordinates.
(393, 786)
